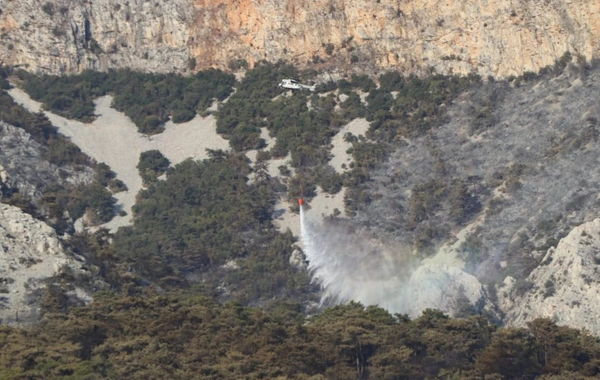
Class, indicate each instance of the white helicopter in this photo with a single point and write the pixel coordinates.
(291, 84)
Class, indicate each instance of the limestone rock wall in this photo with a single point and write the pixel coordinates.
(500, 37)
(564, 287)
(70, 36)
(30, 254)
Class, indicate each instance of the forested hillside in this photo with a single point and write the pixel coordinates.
(49, 196)
(201, 284)
(152, 336)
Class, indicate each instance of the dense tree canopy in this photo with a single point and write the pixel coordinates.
(152, 336)
(204, 215)
(148, 99)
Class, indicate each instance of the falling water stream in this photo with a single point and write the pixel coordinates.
(350, 267)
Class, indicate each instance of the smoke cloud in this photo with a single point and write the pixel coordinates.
(350, 266)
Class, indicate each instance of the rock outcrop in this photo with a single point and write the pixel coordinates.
(24, 167)
(499, 37)
(30, 255)
(446, 288)
(564, 287)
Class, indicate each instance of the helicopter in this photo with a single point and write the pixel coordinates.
(292, 84)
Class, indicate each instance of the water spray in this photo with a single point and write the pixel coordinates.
(351, 265)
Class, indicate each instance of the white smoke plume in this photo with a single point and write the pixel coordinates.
(350, 266)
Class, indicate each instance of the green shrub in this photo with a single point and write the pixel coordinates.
(329, 48)
(462, 203)
(364, 82)
(424, 199)
(203, 215)
(419, 105)
(353, 107)
(151, 165)
(100, 201)
(237, 64)
(550, 290)
(328, 179)
(93, 198)
(103, 173)
(182, 115)
(48, 8)
(522, 286)
(62, 152)
(4, 84)
(390, 81)
(116, 185)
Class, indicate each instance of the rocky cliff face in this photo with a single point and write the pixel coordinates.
(564, 287)
(500, 37)
(30, 255)
(23, 166)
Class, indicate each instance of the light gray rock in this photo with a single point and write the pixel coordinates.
(70, 36)
(445, 288)
(30, 255)
(298, 260)
(3, 175)
(565, 286)
(231, 265)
